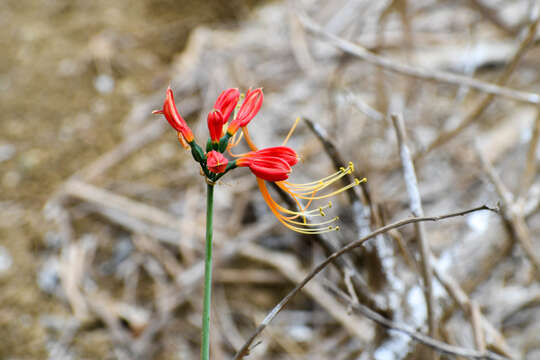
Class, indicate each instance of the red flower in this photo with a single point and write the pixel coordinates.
(216, 162)
(283, 152)
(226, 102)
(215, 125)
(270, 164)
(173, 117)
(250, 107)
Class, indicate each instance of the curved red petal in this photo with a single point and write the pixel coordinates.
(250, 107)
(270, 168)
(226, 102)
(282, 152)
(173, 116)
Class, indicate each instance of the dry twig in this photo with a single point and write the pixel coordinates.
(414, 71)
(426, 340)
(479, 109)
(357, 243)
(461, 298)
(512, 214)
(415, 203)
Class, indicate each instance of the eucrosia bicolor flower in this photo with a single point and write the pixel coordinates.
(226, 102)
(270, 164)
(215, 125)
(250, 107)
(216, 162)
(273, 164)
(174, 118)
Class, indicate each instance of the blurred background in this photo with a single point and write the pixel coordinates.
(102, 226)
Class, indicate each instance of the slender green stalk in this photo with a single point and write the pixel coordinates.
(205, 346)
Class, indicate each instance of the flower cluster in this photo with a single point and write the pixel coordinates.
(273, 164)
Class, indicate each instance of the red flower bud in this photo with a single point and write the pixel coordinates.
(216, 162)
(215, 125)
(226, 102)
(173, 117)
(270, 164)
(250, 107)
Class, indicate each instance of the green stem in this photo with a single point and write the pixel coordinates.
(205, 346)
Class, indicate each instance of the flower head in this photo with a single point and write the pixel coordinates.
(272, 164)
(215, 125)
(173, 117)
(216, 162)
(226, 102)
(250, 107)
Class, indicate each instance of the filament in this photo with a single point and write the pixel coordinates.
(297, 226)
(291, 131)
(250, 142)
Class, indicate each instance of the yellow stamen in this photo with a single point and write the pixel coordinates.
(356, 182)
(342, 171)
(307, 192)
(304, 190)
(250, 143)
(336, 218)
(291, 131)
(301, 227)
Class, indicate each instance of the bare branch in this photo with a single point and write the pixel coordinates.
(411, 182)
(415, 71)
(479, 109)
(461, 298)
(530, 166)
(353, 245)
(512, 214)
(424, 339)
(476, 321)
(491, 15)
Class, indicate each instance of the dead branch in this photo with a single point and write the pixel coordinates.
(415, 203)
(245, 349)
(404, 69)
(512, 213)
(479, 109)
(426, 340)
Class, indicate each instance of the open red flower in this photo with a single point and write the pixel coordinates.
(250, 107)
(282, 152)
(215, 125)
(270, 164)
(216, 162)
(226, 102)
(173, 117)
